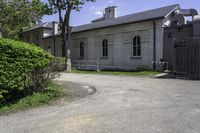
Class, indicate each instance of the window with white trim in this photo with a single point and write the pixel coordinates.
(105, 48)
(136, 46)
(81, 49)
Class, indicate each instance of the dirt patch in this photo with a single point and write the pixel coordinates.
(74, 91)
(71, 92)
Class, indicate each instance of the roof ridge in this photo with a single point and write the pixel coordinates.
(174, 5)
(148, 10)
(157, 13)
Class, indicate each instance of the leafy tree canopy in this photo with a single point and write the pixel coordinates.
(64, 8)
(19, 15)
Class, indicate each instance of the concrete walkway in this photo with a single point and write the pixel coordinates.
(120, 105)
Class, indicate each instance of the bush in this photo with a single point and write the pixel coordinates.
(41, 78)
(60, 63)
(18, 62)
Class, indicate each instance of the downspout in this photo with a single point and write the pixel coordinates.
(54, 40)
(54, 43)
(154, 45)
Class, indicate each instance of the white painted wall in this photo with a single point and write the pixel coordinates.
(120, 45)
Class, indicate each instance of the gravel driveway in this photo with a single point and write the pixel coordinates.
(120, 105)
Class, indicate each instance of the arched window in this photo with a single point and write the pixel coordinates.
(136, 46)
(105, 48)
(81, 49)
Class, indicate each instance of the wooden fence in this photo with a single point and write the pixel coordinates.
(187, 57)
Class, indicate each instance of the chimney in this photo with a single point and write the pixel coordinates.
(110, 12)
(55, 27)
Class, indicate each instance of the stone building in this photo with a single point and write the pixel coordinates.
(128, 42)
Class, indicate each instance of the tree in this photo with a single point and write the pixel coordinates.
(64, 9)
(19, 15)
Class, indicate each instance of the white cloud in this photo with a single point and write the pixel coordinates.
(98, 13)
(97, 10)
(111, 1)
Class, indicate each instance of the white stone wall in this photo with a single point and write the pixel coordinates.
(48, 45)
(32, 36)
(120, 45)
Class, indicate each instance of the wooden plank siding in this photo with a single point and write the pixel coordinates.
(186, 59)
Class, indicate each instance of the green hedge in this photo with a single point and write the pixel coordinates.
(17, 61)
(60, 62)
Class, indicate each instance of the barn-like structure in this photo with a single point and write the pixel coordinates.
(182, 48)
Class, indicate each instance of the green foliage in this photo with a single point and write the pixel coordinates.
(60, 63)
(111, 72)
(39, 98)
(64, 8)
(17, 61)
(68, 4)
(19, 15)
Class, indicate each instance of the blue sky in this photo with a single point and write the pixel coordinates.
(93, 10)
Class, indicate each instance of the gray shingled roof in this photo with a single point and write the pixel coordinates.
(43, 25)
(136, 17)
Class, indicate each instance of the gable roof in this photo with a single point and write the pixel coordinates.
(43, 25)
(158, 13)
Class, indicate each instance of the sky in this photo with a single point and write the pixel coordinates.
(93, 10)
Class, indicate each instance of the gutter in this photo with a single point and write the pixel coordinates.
(108, 26)
(35, 29)
(54, 45)
(114, 25)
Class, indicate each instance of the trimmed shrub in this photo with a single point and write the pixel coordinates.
(17, 62)
(59, 62)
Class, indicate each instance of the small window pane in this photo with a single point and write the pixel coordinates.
(138, 41)
(105, 48)
(136, 46)
(134, 41)
(139, 51)
(134, 51)
(81, 49)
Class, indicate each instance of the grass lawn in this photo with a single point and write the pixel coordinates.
(128, 73)
(54, 92)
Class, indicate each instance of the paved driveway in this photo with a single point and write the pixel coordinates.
(120, 105)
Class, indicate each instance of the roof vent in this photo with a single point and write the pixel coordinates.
(196, 18)
(189, 12)
(196, 26)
